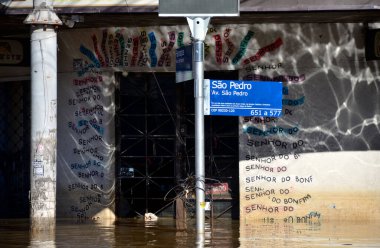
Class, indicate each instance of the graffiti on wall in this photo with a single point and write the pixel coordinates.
(270, 187)
(310, 164)
(86, 146)
(124, 50)
(153, 48)
(304, 166)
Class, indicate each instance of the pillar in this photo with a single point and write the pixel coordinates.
(43, 115)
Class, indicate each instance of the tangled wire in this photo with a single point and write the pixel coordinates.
(185, 191)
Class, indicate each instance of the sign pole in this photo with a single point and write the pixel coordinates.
(198, 14)
(198, 27)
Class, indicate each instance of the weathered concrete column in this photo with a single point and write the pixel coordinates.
(43, 115)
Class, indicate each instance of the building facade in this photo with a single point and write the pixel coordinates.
(125, 128)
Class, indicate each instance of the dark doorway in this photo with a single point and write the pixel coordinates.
(156, 145)
(14, 149)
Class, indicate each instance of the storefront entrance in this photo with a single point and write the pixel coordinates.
(14, 149)
(156, 155)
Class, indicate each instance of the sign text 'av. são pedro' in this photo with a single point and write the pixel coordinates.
(243, 98)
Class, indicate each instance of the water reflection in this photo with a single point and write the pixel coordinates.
(328, 234)
(163, 233)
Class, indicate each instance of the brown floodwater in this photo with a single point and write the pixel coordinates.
(168, 233)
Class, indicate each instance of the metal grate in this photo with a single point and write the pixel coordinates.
(147, 141)
(156, 143)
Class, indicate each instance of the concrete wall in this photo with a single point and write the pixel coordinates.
(86, 146)
(319, 161)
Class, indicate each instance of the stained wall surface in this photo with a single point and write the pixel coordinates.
(318, 161)
(86, 146)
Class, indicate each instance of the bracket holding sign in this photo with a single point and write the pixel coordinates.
(243, 98)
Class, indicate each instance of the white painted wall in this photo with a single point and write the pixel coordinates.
(330, 128)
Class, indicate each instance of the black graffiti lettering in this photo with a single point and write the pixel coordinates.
(260, 120)
(260, 160)
(271, 131)
(297, 144)
(304, 179)
(258, 167)
(92, 150)
(284, 191)
(261, 207)
(90, 198)
(96, 186)
(75, 186)
(281, 169)
(268, 220)
(257, 195)
(90, 140)
(253, 179)
(285, 179)
(266, 142)
(288, 112)
(311, 217)
(297, 201)
(253, 189)
(283, 156)
(90, 174)
(80, 166)
(79, 101)
(276, 200)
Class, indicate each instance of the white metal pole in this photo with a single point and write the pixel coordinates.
(198, 28)
(198, 51)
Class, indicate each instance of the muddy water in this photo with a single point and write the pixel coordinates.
(168, 233)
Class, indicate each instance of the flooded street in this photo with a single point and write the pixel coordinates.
(164, 233)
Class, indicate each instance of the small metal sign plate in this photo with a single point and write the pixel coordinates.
(198, 8)
(243, 98)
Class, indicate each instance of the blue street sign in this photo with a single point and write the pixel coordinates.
(243, 98)
(184, 58)
(184, 63)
